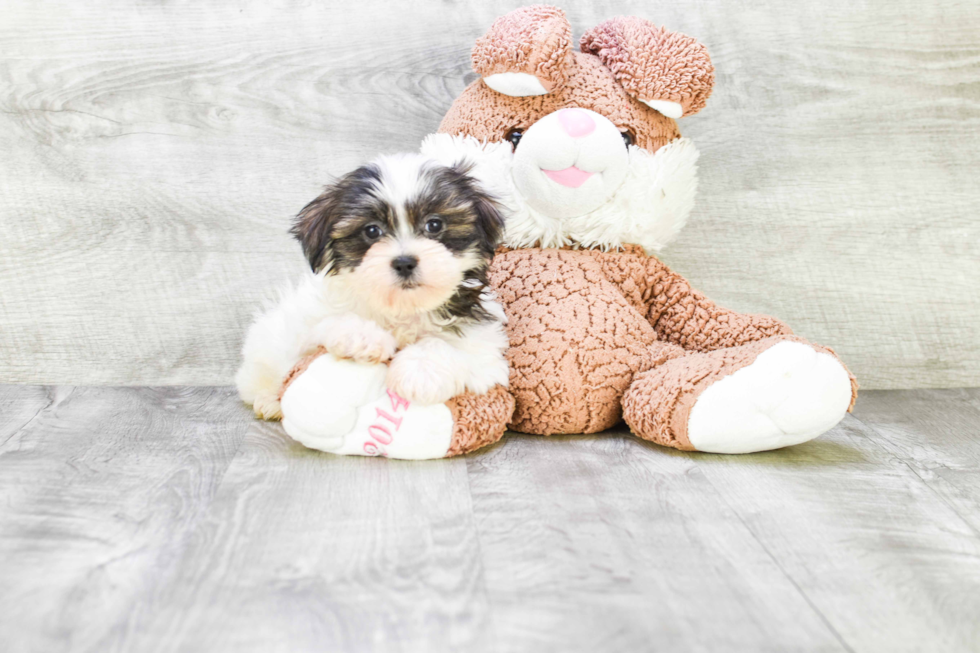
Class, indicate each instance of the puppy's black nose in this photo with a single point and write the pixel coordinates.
(405, 265)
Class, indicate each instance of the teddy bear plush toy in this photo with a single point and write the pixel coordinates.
(583, 151)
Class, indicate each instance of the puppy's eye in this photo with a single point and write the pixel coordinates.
(514, 136)
(434, 226)
(373, 232)
(628, 138)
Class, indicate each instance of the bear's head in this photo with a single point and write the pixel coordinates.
(582, 148)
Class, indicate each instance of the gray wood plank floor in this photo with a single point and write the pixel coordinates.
(166, 519)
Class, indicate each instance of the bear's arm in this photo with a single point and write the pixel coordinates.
(679, 313)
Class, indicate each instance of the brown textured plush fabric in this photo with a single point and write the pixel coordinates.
(584, 323)
(681, 72)
(679, 313)
(535, 40)
(575, 340)
(479, 420)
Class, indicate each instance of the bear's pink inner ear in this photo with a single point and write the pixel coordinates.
(668, 71)
(525, 52)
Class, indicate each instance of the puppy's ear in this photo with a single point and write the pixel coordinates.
(668, 71)
(333, 216)
(313, 226)
(491, 221)
(489, 213)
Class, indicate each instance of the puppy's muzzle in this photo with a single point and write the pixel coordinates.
(404, 266)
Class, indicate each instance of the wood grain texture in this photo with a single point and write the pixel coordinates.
(158, 520)
(304, 551)
(609, 543)
(874, 549)
(937, 435)
(19, 406)
(98, 492)
(153, 154)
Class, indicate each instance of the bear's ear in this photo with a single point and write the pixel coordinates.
(667, 71)
(525, 52)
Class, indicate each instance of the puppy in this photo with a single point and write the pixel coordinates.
(398, 252)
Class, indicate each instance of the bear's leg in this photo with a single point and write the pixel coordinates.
(343, 407)
(764, 395)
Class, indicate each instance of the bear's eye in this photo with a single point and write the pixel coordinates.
(628, 138)
(372, 232)
(514, 136)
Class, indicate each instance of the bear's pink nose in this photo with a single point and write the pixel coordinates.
(576, 122)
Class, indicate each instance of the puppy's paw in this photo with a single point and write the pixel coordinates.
(363, 347)
(424, 373)
(266, 406)
(355, 338)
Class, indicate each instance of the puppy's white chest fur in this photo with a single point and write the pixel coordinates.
(410, 329)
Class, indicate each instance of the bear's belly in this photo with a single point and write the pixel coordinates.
(575, 342)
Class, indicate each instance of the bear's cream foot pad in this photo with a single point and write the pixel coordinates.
(790, 394)
(343, 407)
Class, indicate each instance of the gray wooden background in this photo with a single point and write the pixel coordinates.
(152, 154)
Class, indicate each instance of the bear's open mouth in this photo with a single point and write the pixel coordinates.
(571, 176)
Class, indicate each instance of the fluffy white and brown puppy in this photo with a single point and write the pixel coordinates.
(398, 251)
